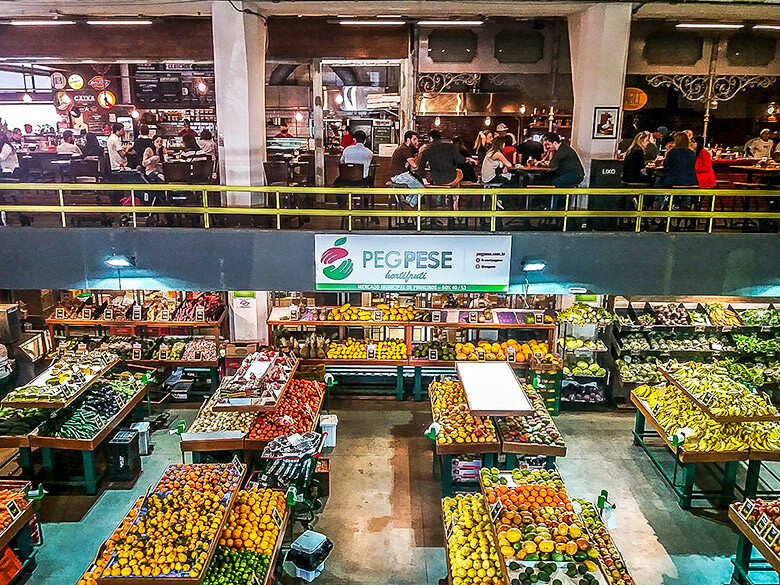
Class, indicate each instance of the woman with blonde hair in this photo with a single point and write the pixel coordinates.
(482, 144)
(634, 163)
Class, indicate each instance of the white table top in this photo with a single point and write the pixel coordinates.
(492, 389)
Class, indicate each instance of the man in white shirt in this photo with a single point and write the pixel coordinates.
(68, 144)
(760, 147)
(117, 154)
(358, 153)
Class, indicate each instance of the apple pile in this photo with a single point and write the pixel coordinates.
(296, 412)
(451, 411)
(537, 428)
(611, 559)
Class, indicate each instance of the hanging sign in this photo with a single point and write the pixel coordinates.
(75, 81)
(106, 99)
(478, 263)
(634, 99)
(99, 83)
(58, 80)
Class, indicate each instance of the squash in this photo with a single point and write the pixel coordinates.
(575, 531)
(513, 535)
(571, 548)
(529, 547)
(507, 551)
(583, 544)
(592, 567)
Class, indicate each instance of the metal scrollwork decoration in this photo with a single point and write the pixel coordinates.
(438, 82)
(696, 88)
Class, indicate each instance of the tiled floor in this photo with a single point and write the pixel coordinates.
(383, 514)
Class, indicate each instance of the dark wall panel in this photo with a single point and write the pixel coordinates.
(620, 263)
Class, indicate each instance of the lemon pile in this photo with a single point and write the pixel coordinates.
(473, 554)
(353, 349)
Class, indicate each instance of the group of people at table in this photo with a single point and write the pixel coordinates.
(496, 162)
(145, 155)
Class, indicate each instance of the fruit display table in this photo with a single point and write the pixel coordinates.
(753, 533)
(460, 432)
(15, 528)
(181, 558)
(260, 392)
(686, 460)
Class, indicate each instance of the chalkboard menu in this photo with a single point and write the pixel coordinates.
(381, 135)
(171, 84)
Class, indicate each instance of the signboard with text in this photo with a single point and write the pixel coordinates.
(412, 263)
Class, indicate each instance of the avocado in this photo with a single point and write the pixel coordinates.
(532, 557)
(513, 565)
(580, 555)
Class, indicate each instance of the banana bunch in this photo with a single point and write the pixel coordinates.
(724, 396)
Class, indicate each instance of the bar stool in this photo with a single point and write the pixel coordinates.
(746, 223)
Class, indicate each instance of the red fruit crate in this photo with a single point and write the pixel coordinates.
(10, 566)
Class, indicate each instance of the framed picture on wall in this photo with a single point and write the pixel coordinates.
(605, 123)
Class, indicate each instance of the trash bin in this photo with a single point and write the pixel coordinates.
(308, 554)
(125, 456)
(328, 424)
(143, 436)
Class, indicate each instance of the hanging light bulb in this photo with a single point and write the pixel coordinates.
(522, 110)
(135, 114)
(201, 87)
(339, 99)
(437, 121)
(487, 121)
(27, 98)
(298, 117)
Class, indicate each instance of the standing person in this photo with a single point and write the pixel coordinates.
(530, 149)
(634, 163)
(16, 138)
(9, 162)
(117, 154)
(359, 154)
(403, 162)
(92, 146)
(442, 159)
(680, 167)
(760, 146)
(68, 144)
(140, 145)
(704, 172)
(284, 132)
(503, 130)
(482, 144)
(346, 138)
(187, 130)
(565, 166)
(207, 144)
(152, 160)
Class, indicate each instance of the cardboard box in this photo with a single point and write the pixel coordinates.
(240, 350)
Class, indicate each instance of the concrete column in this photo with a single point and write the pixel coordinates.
(319, 122)
(406, 109)
(239, 71)
(598, 39)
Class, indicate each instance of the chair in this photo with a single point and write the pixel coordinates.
(277, 173)
(202, 170)
(351, 175)
(85, 170)
(177, 172)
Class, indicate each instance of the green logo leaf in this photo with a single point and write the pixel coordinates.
(339, 272)
(340, 242)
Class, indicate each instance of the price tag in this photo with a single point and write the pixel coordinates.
(198, 355)
(136, 316)
(136, 351)
(236, 463)
(59, 313)
(656, 408)
(436, 316)
(772, 534)
(707, 399)
(747, 508)
(448, 529)
(538, 355)
(727, 328)
(61, 345)
(511, 354)
(256, 580)
(13, 509)
(277, 518)
(763, 523)
(699, 328)
(370, 351)
(495, 509)
(539, 318)
(87, 313)
(165, 315)
(108, 314)
(164, 351)
(473, 317)
(104, 345)
(627, 359)
(377, 314)
(200, 313)
(765, 329)
(82, 346)
(480, 354)
(433, 354)
(294, 312)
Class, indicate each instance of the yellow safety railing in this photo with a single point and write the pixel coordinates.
(757, 205)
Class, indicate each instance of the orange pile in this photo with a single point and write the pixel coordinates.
(532, 495)
(6, 496)
(251, 525)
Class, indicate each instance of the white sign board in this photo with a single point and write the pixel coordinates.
(492, 389)
(412, 263)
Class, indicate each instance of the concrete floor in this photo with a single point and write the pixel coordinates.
(383, 514)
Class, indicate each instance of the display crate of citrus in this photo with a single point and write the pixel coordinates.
(494, 351)
(175, 533)
(451, 411)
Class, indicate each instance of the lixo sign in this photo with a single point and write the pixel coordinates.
(412, 263)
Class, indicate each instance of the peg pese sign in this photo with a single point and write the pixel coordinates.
(412, 263)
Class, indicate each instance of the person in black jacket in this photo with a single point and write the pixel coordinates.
(565, 167)
(634, 163)
(680, 167)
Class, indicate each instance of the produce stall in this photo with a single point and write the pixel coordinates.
(695, 439)
(531, 531)
(73, 406)
(16, 514)
(756, 521)
(398, 338)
